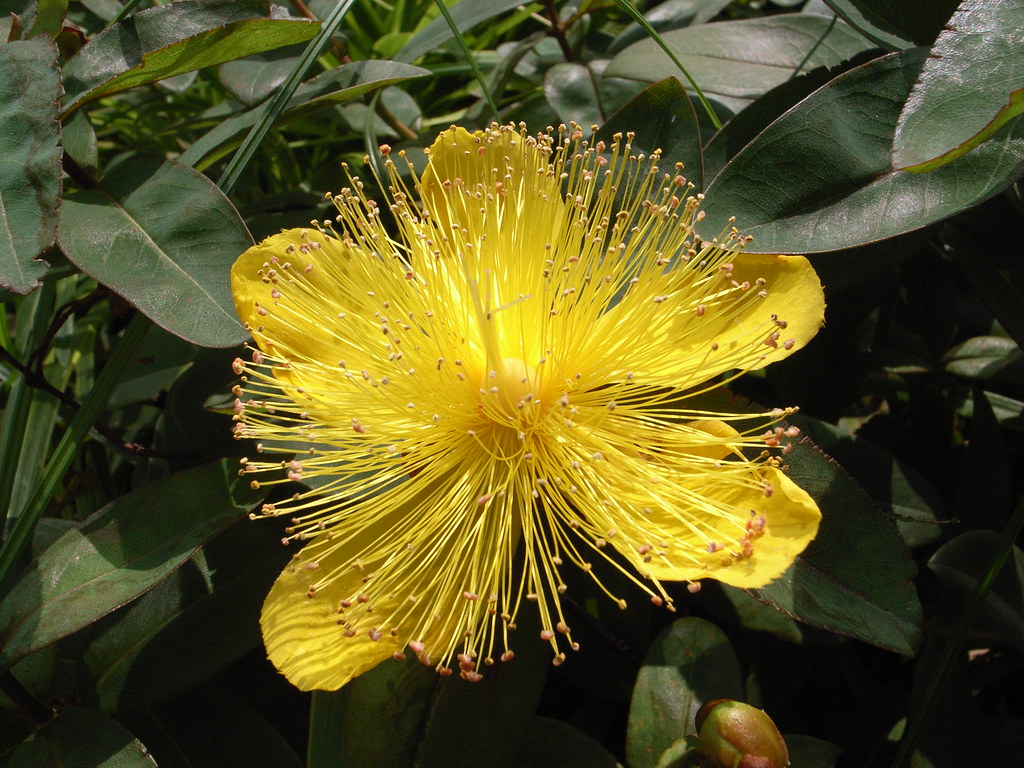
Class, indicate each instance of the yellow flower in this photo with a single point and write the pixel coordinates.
(504, 390)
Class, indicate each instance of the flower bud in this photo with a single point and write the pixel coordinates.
(731, 734)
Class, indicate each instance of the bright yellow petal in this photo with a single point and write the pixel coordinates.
(791, 522)
(304, 639)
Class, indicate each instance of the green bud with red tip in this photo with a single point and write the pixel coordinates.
(731, 734)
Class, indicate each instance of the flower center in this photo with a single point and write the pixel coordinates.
(516, 393)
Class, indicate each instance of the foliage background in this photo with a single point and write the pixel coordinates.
(143, 146)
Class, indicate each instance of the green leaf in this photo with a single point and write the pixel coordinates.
(572, 91)
(553, 743)
(405, 714)
(164, 237)
(986, 358)
(172, 39)
(117, 554)
(134, 656)
(182, 734)
(466, 15)
(672, 14)
(663, 117)
(821, 178)
(29, 159)
(856, 577)
(896, 24)
(942, 119)
(80, 738)
(159, 359)
(742, 128)
(898, 490)
(965, 560)
(252, 79)
(688, 664)
(197, 416)
(743, 59)
(809, 752)
(343, 83)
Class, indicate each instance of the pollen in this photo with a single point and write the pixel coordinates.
(510, 380)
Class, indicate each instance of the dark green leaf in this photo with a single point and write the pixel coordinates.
(662, 117)
(571, 91)
(742, 129)
(404, 714)
(79, 140)
(896, 24)
(82, 738)
(964, 561)
(820, 178)
(29, 159)
(465, 15)
(135, 656)
(164, 237)
(343, 83)
(856, 577)
(172, 39)
(898, 490)
(942, 119)
(252, 79)
(156, 363)
(987, 358)
(211, 727)
(671, 14)
(809, 752)
(551, 743)
(688, 664)
(743, 59)
(195, 414)
(118, 554)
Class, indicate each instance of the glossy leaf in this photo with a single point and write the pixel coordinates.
(662, 117)
(970, 87)
(444, 722)
(964, 561)
(466, 15)
(987, 358)
(899, 491)
(29, 159)
(341, 84)
(743, 59)
(553, 743)
(885, 21)
(820, 178)
(741, 129)
(672, 14)
(688, 664)
(172, 39)
(856, 577)
(809, 752)
(252, 79)
(183, 734)
(164, 237)
(135, 656)
(82, 737)
(117, 554)
(572, 92)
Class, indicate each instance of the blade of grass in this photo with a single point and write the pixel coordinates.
(468, 54)
(652, 33)
(955, 644)
(72, 440)
(259, 131)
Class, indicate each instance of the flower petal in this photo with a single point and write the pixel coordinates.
(304, 639)
(792, 522)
